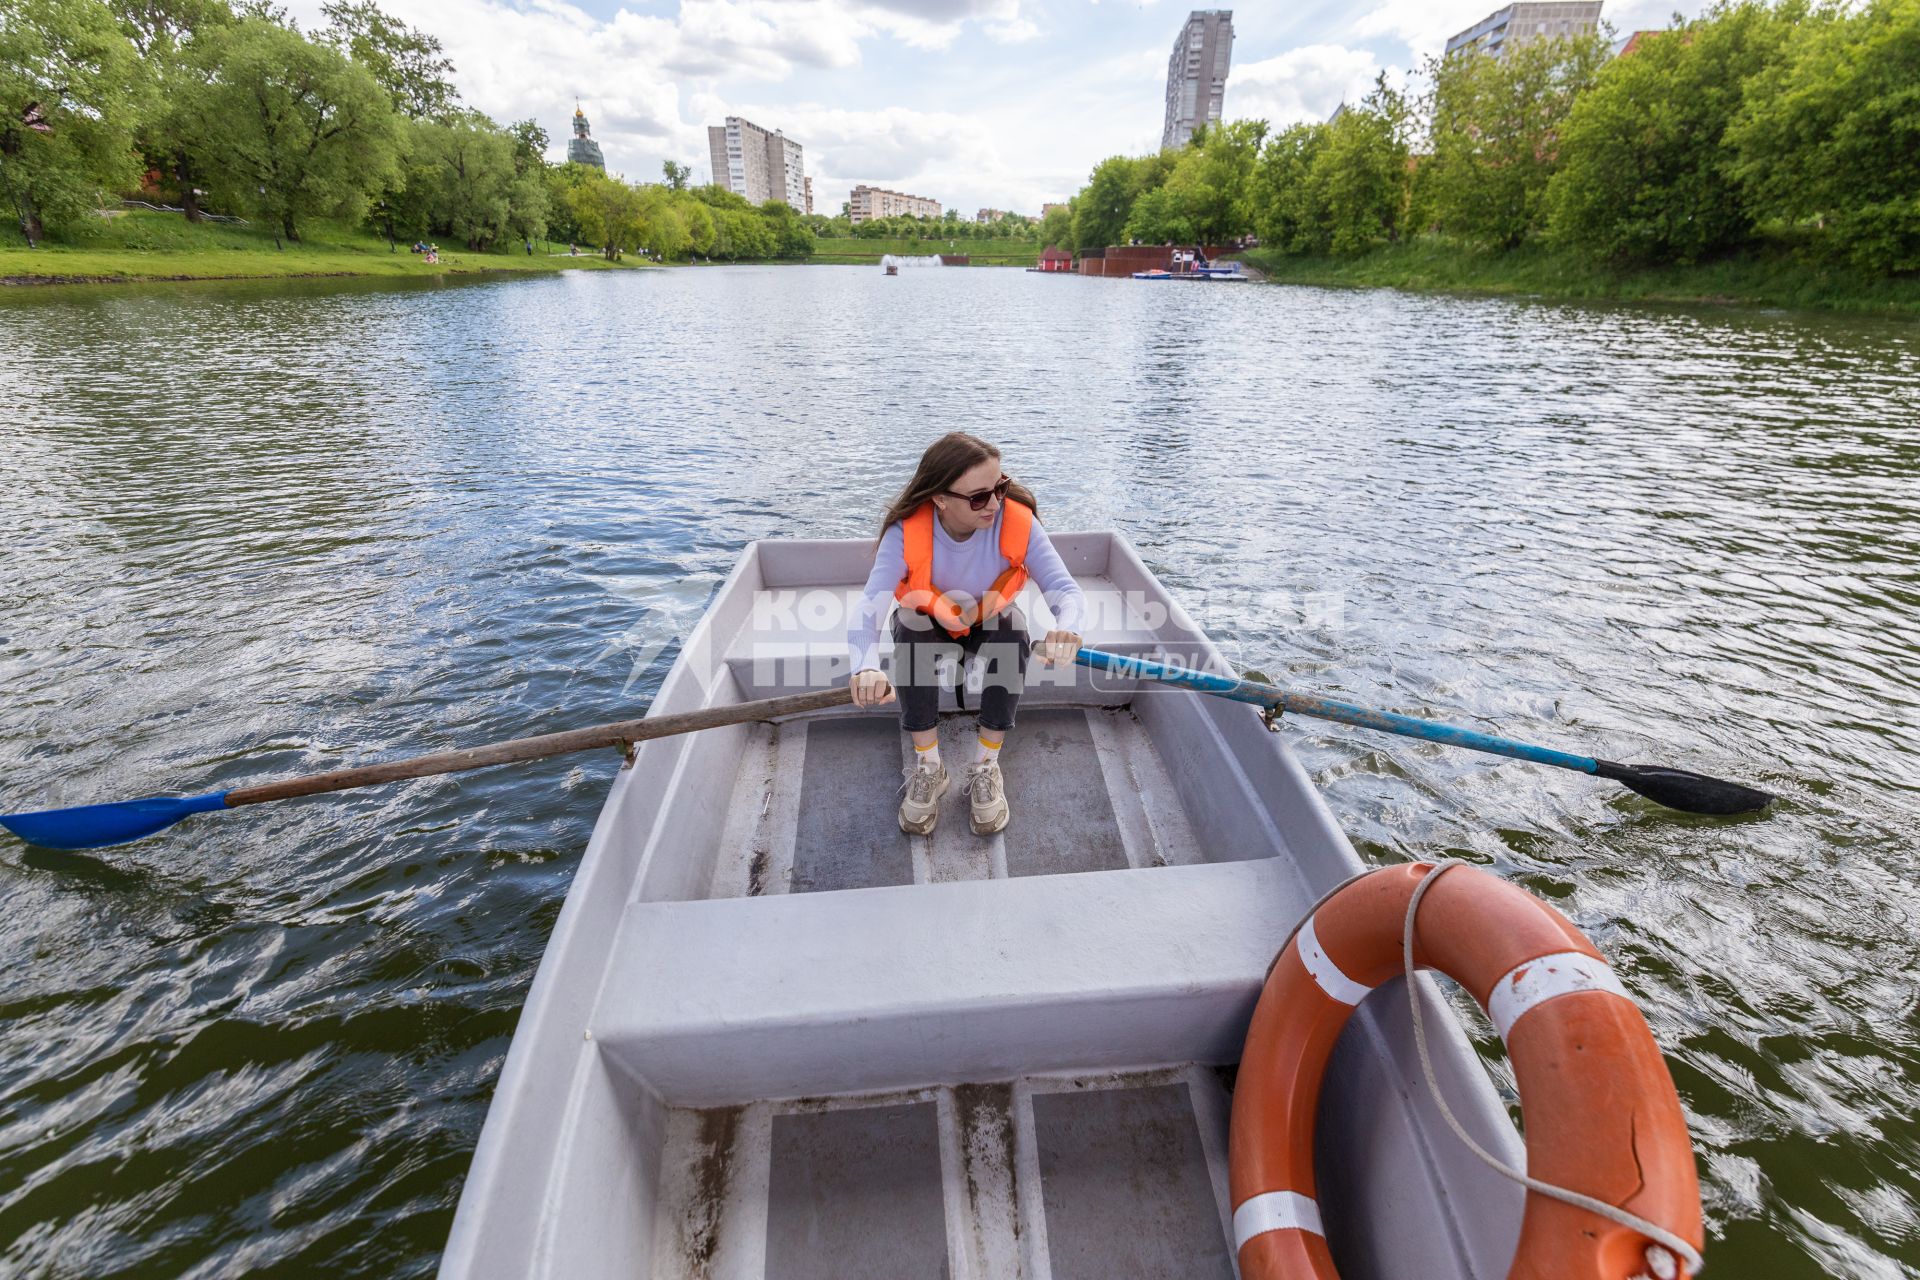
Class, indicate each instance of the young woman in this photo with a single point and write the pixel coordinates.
(955, 548)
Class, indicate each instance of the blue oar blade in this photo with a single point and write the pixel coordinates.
(92, 826)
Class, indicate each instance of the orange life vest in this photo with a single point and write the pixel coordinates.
(916, 590)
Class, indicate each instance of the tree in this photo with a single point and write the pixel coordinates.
(608, 212)
(66, 79)
(699, 220)
(1288, 209)
(1495, 124)
(677, 174)
(162, 31)
(1831, 132)
(530, 142)
(409, 64)
(1358, 182)
(662, 230)
(1101, 210)
(472, 187)
(1207, 196)
(791, 239)
(560, 181)
(1056, 226)
(1644, 163)
(291, 129)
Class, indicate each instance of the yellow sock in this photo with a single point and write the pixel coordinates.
(927, 757)
(990, 747)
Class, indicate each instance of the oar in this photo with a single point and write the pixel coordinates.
(1674, 788)
(91, 826)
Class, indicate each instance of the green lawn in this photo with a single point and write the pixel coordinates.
(1775, 277)
(142, 245)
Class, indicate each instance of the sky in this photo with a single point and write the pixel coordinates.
(1001, 104)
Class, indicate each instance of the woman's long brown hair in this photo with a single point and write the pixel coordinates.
(944, 462)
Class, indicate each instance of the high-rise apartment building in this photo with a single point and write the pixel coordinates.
(1197, 74)
(875, 202)
(759, 165)
(1519, 24)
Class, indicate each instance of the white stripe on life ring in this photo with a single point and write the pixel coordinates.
(1274, 1211)
(1563, 973)
(1325, 971)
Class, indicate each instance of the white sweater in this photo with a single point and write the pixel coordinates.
(968, 566)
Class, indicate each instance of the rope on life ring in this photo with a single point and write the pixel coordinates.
(1612, 1189)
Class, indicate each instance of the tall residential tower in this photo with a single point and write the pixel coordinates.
(1197, 74)
(759, 165)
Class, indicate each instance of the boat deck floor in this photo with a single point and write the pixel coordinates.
(1046, 1178)
(814, 804)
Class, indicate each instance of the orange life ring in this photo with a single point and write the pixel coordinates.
(1602, 1117)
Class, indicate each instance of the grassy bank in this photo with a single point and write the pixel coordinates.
(141, 245)
(1777, 279)
(996, 253)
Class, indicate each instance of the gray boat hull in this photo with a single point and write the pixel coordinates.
(773, 1035)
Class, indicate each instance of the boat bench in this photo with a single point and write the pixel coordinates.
(722, 1001)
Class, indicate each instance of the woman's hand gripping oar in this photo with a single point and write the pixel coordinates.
(1675, 788)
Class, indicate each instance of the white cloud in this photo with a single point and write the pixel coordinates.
(926, 153)
(1422, 25)
(1301, 84)
(636, 74)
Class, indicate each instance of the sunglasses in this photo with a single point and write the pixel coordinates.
(978, 501)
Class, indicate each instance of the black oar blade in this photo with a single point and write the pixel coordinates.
(1684, 790)
(95, 826)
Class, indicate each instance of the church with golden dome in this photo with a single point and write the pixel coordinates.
(582, 149)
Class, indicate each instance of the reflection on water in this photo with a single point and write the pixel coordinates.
(254, 529)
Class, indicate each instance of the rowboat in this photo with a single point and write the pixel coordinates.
(772, 1035)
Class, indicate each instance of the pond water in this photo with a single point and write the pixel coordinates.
(251, 530)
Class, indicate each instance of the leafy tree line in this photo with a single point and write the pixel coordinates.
(1756, 121)
(357, 121)
(950, 225)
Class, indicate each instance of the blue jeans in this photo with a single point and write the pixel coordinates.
(918, 642)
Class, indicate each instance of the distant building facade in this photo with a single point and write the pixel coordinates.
(582, 149)
(749, 161)
(876, 202)
(1061, 205)
(1633, 43)
(989, 215)
(1197, 74)
(807, 184)
(1522, 24)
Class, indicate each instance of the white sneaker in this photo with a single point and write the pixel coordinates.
(987, 794)
(921, 809)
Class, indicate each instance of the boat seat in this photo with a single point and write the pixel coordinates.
(796, 639)
(722, 1001)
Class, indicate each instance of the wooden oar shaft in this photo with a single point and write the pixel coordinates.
(550, 744)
